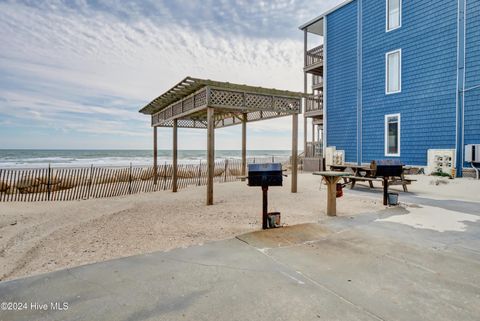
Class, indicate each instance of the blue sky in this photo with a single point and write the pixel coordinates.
(73, 74)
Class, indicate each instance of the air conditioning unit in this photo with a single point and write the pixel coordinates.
(339, 157)
(472, 153)
(334, 156)
(329, 156)
(441, 160)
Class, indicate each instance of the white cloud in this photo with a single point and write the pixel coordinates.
(61, 63)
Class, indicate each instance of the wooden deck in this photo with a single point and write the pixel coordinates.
(314, 61)
(314, 105)
(317, 82)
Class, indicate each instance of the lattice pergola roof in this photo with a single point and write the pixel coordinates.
(188, 100)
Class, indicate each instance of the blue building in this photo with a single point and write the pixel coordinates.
(397, 78)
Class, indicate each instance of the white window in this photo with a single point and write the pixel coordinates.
(393, 72)
(394, 14)
(392, 135)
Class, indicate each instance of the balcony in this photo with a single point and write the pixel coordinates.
(314, 149)
(317, 82)
(314, 61)
(314, 105)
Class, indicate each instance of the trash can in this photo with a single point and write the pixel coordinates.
(339, 190)
(392, 198)
(273, 220)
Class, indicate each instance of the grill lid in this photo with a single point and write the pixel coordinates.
(388, 167)
(268, 167)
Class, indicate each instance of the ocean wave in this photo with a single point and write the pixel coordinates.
(83, 159)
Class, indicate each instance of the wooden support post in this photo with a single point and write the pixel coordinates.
(155, 156)
(305, 132)
(210, 153)
(305, 90)
(175, 157)
(313, 133)
(244, 146)
(294, 151)
(332, 196)
(264, 207)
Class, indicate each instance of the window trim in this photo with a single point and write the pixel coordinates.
(386, 134)
(400, 72)
(387, 16)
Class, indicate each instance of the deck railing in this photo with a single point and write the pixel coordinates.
(65, 184)
(314, 149)
(314, 55)
(314, 103)
(317, 81)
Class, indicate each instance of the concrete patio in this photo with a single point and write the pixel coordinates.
(345, 268)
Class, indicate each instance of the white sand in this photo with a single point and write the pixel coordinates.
(442, 188)
(43, 237)
(436, 218)
(433, 218)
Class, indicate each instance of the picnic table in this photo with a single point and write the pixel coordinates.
(360, 172)
(332, 178)
(365, 173)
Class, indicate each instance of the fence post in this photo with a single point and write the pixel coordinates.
(225, 173)
(273, 159)
(91, 181)
(165, 176)
(49, 182)
(130, 180)
(199, 173)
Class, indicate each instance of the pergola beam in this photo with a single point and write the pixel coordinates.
(189, 85)
(200, 123)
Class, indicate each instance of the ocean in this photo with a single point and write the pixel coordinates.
(39, 158)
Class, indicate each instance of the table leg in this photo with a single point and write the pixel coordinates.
(370, 182)
(353, 180)
(385, 191)
(345, 180)
(356, 173)
(332, 197)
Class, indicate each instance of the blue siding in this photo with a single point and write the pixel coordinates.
(427, 102)
(472, 74)
(342, 80)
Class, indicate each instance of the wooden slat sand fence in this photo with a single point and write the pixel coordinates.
(66, 184)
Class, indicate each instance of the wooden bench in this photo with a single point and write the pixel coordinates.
(393, 181)
(401, 181)
(353, 179)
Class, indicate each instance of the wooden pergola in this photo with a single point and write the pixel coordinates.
(208, 104)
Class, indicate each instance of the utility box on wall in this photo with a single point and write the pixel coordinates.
(472, 153)
(441, 160)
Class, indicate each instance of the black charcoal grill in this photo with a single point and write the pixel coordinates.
(386, 169)
(265, 175)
